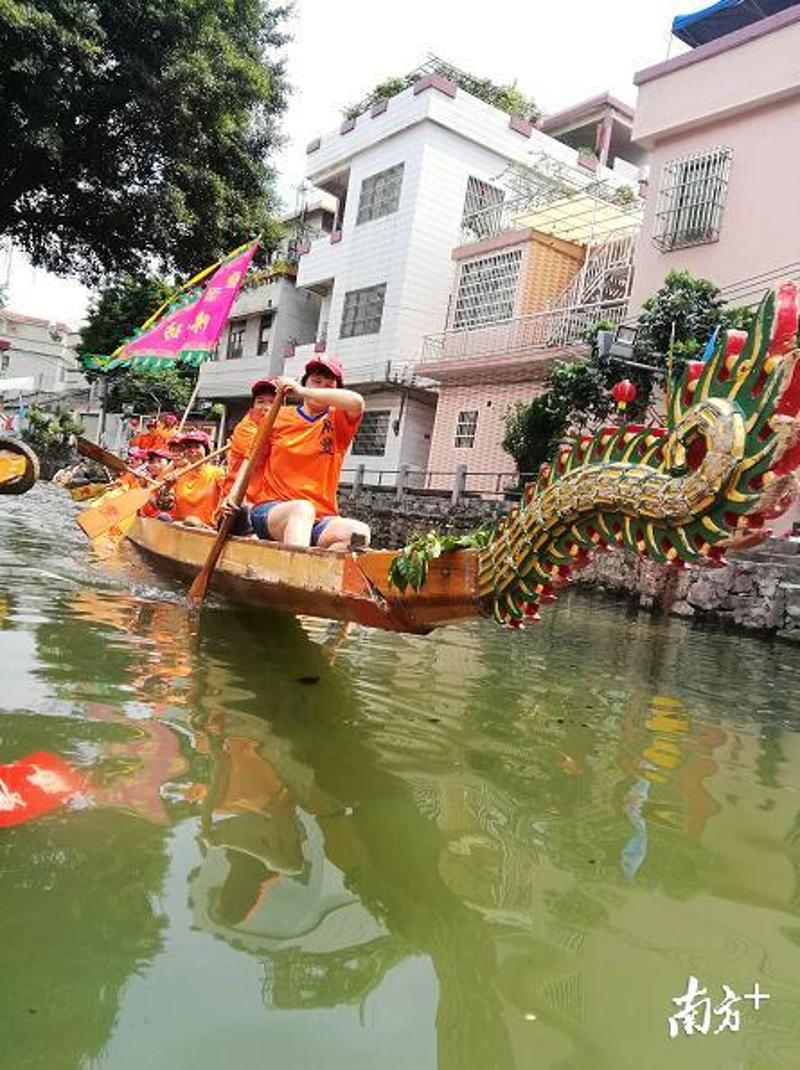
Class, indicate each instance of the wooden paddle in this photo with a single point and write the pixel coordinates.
(97, 519)
(236, 496)
(105, 457)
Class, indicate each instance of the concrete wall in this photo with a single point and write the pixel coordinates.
(492, 402)
(409, 444)
(735, 74)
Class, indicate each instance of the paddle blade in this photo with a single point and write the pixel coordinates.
(112, 508)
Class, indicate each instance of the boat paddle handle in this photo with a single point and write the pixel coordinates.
(236, 495)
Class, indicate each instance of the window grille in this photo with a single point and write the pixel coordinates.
(235, 340)
(362, 311)
(466, 426)
(691, 198)
(264, 328)
(483, 210)
(487, 289)
(380, 194)
(370, 439)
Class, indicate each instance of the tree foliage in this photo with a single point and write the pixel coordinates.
(137, 129)
(167, 389)
(120, 306)
(508, 98)
(696, 307)
(48, 430)
(578, 394)
(575, 397)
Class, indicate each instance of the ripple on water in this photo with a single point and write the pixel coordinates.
(502, 837)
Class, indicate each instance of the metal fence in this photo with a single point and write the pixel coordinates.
(539, 330)
(454, 485)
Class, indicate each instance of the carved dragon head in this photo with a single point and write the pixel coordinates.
(720, 471)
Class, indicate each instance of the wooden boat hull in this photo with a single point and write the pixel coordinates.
(320, 583)
(19, 466)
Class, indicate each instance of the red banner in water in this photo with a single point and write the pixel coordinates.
(35, 785)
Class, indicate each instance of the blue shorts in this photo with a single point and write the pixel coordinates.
(260, 513)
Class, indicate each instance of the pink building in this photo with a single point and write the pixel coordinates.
(721, 126)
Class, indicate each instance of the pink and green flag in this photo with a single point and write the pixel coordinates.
(191, 326)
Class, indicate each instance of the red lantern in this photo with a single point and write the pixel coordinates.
(623, 392)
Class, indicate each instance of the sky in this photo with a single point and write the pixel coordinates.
(558, 53)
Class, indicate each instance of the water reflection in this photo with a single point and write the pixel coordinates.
(324, 841)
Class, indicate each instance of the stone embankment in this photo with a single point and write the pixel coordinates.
(758, 590)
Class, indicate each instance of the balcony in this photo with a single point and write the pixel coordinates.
(318, 261)
(504, 345)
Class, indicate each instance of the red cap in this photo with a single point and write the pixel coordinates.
(169, 418)
(326, 363)
(198, 437)
(135, 454)
(263, 386)
(157, 453)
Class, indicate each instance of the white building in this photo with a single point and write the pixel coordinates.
(407, 174)
(270, 315)
(42, 350)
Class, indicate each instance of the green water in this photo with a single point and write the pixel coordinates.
(300, 849)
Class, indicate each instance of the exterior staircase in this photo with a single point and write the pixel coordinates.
(606, 275)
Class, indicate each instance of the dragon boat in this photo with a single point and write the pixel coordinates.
(19, 466)
(712, 479)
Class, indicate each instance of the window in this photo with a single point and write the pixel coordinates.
(690, 200)
(363, 311)
(466, 426)
(264, 328)
(370, 440)
(487, 289)
(235, 340)
(5, 360)
(380, 194)
(483, 210)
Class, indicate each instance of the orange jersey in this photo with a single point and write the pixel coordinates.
(197, 493)
(163, 436)
(240, 446)
(305, 457)
(145, 440)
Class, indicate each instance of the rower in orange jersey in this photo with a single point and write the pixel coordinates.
(146, 439)
(196, 495)
(165, 430)
(297, 502)
(262, 392)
